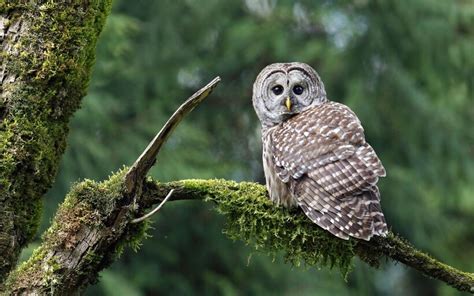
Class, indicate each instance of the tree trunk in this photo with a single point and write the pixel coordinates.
(47, 55)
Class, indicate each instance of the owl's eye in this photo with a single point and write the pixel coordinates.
(298, 89)
(277, 89)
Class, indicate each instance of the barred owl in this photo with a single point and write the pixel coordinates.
(315, 155)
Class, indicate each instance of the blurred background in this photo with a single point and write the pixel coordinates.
(406, 67)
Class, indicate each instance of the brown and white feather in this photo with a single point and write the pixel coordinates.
(319, 160)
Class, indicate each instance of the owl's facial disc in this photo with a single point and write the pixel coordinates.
(284, 90)
(286, 94)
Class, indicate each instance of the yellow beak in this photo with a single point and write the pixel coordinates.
(288, 103)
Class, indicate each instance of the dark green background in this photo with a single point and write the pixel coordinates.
(405, 67)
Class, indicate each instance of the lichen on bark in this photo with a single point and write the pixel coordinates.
(47, 55)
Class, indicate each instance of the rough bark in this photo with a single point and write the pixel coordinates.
(47, 51)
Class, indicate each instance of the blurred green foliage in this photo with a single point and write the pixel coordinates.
(405, 67)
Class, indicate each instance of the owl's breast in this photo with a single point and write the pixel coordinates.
(278, 190)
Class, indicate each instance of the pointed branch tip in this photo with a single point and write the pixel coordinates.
(142, 165)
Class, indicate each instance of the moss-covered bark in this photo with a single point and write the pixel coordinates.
(94, 223)
(47, 51)
(87, 234)
(255, 220)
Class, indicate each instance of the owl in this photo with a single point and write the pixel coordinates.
(315, 155)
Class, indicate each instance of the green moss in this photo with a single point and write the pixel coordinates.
(34, 269)
(51, 60)
(90, 204)
(103, 206)
(40, 268)
(403, 251)
(253, 218)
(100, 207)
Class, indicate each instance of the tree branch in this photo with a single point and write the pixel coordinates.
(91, 229)
(93, 225)
(142, 165)
(247, 205)
(155, 210)
(402, 251)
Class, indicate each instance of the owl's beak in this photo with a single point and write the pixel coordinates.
(288, 103)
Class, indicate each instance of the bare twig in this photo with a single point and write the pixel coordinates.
(142, 165)
(151, 213)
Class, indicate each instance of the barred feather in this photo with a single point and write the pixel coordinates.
(319, 160)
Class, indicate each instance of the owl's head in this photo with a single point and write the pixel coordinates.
(283, 90)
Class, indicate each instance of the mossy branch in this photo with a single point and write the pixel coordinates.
(251, 217)
(94, 224)
(47, 52)
(137, 173)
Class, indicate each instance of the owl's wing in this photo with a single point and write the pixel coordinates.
(331, 170)
(319, 136)
(358, 215)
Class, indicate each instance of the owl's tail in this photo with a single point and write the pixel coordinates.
(372, 214)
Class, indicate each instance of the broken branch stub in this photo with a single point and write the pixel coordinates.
(143, 164)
